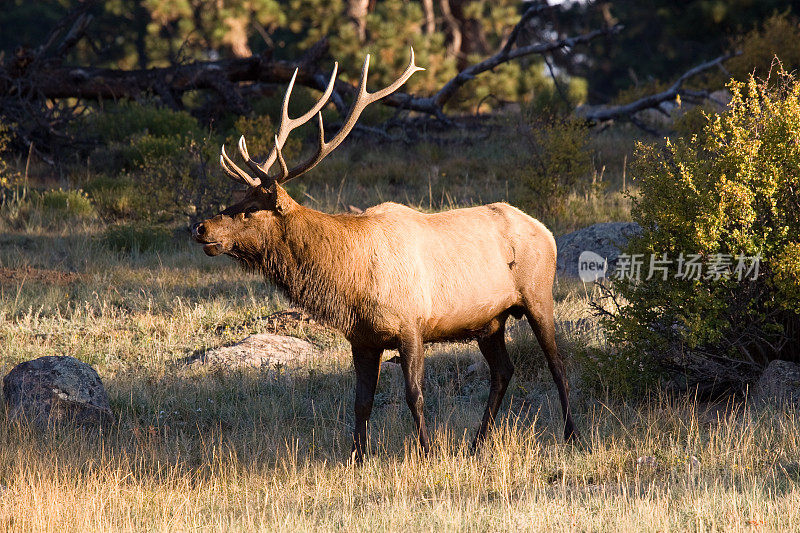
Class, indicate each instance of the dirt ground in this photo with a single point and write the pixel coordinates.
(28, 274)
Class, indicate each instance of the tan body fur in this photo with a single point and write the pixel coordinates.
(392, 268)
(394, 278)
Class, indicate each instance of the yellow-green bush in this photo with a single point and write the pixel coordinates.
(163, 161)
(260, 135)
(732, 188)
(187, 183)
(115, 197)
(122, 121)
(165, 164)
(131, 134)
(6, 176)
(71, 203)
(12, 193)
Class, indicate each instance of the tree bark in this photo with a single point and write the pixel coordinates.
(430, 16)
(140, 19)
(236, 37)
(473, 38)
(105, 83)
(358, 10)
(453, 29)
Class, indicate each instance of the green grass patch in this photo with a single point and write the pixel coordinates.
(72, 203)
(137, 238)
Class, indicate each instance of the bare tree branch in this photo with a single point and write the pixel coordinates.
(94, 83)
(526, 17)
(223, 76)
(626, 111)
(74, 24)
(433, 105)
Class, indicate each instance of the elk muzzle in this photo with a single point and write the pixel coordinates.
(210, 246)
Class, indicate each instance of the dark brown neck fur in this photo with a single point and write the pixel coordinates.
(311, 257)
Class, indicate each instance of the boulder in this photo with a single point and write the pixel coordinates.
(296, 322)
(477, 369)
(602, 242)
(779, 383)
(260, 350)
(56, 389)
(390, 365)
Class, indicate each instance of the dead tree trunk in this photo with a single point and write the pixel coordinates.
(358, 10)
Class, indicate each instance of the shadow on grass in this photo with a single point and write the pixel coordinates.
(207, 426)
(205, 420)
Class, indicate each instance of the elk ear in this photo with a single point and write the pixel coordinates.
(283, 202)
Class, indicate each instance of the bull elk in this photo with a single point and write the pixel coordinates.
(392, 277)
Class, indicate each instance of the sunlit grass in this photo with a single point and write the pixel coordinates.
(210, 449)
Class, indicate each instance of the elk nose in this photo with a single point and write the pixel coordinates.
(198, 230)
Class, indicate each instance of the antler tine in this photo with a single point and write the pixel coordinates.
(233, 170)
(281, 160)
(407, 73)
(363, 99)
(287, 125)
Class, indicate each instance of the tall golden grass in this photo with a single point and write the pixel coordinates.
(214, 449)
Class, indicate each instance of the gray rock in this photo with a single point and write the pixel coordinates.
(779, 383)
(56, 389)
(646, 461)
(261, 350)
(479, 368)
(391, 365)
(604, 239)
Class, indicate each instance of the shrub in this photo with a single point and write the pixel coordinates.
(71, 203)
(120, 122)
(260, 135)
(146, 148)
(778, 36)
(189, 183)
(115, 197)
(558, 163)
(6, 175)
(136, 238)
(160, 151)
(13, 194)
(726, 193)
(132, 133)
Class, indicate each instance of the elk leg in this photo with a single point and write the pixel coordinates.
(367, 363)
(540, 317)
(501, 369)
(412, 360)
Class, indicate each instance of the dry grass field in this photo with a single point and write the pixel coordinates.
(214, 449)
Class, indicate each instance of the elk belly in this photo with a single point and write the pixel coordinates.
(469, 318)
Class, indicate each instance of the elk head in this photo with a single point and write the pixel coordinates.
(251, 225)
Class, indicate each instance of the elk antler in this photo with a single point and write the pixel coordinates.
(287, 124)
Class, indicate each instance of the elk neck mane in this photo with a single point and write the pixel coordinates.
(318, 260)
